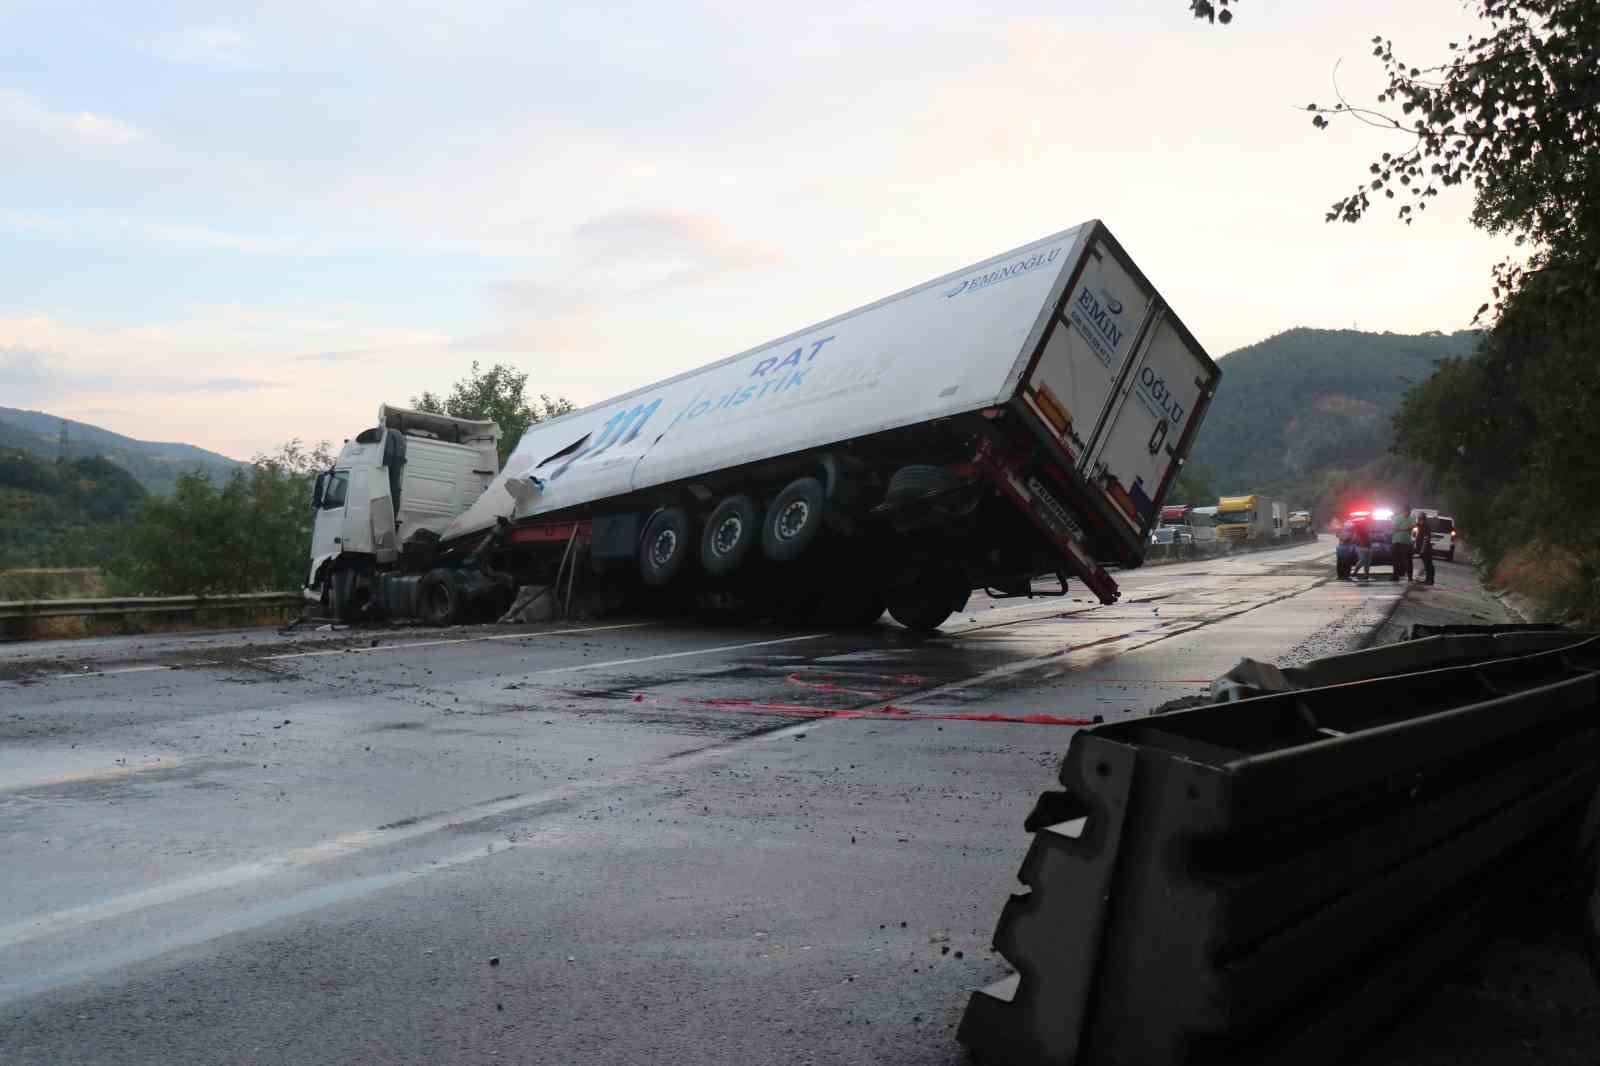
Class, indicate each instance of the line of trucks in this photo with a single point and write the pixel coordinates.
(1023, 417)
(1249, 518)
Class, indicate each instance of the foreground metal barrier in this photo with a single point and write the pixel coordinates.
(17, 616)
(1438, 646)
(1264, 881)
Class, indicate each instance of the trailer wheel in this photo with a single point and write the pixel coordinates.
(729, 534)
(919, 480)
(793, 519)
(439, 598)
(923, 604)
(919, 610)
(664, 546)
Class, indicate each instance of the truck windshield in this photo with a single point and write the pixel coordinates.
(1225, 517)
(333, 495)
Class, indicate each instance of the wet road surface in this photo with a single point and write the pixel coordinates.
(621, 842)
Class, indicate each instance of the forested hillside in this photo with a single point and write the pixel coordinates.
(156, 465)
(1308, 415)
(70, 514)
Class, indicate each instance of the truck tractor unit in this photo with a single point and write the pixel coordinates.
(1019, 418)
(1252, 518)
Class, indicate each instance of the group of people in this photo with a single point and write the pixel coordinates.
(1409, 542)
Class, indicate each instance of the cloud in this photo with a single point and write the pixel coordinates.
(667, 247)
(96, 228)
(21, 111)
(345, 355)
(216, 45)
(179, 385)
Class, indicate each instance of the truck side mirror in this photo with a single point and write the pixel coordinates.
(318, 487)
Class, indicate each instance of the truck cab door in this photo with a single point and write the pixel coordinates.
(327, 523)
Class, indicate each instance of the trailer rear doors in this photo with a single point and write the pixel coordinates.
(1121, 384)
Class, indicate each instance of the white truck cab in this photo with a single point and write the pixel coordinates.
(410, 475)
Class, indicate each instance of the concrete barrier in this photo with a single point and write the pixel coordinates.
(1266, 881)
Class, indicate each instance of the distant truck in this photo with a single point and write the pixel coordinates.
(1199, 525)
(1300, 523)
(1024, 416)
(1251, 518)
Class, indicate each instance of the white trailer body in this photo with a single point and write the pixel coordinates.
(1112, 374)
(1280, 519)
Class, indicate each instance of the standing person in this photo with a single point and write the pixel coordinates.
(1425, 546)
(1344, 555)
(1364, 549)
(1400, 550)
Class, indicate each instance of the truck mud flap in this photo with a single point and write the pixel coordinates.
(1267, 881)
(1051, 516)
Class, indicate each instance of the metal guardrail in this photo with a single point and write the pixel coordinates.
(1268, 880)
(1431, 648)
(26, 610)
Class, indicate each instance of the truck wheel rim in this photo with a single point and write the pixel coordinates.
(664, 547)
(727, 535)
(792, 519)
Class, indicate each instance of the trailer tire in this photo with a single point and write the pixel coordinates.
(910, 482)
(729, 534)
(664, 546)
(923, 604)
(918, 610)
(440, 601)
(793, 519)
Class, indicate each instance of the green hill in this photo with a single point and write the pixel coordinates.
(1306, 415)
(156, 465)
(70, 514)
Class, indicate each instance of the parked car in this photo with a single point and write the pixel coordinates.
(1442, 531)
(1380, 527)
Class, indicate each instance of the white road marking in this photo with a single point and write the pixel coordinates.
(352, 651)
(119, 670)
(677, 654)
(453, 640)
(336, 847)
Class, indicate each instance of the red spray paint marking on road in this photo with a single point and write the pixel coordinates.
(823, 683)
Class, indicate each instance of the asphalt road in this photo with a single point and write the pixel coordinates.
(630, 841)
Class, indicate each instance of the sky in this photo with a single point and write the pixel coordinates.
(232, 224)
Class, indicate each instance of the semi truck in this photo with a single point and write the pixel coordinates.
(1199, 525)
(1251, 518)
(1021, 417)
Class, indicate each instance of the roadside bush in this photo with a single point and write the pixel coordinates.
(251, 534)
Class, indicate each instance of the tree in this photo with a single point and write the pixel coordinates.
(1211, 12)
(498, 394)
(1514, 113)
(1194, 487)
(250, 535)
